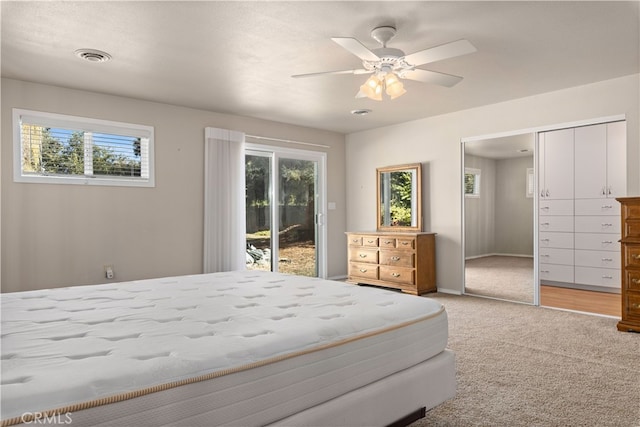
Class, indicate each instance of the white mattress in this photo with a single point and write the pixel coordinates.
(253, 347)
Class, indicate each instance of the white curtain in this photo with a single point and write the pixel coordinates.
(224, 200)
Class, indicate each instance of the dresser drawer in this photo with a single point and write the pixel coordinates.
(633, 280)
(597, 224)
(370, 241)
(387, 242)
(631, 211)
(632, 305)
(363, 255)
(556, 240)
(556, 207)
(365, 271)
(397, 258)
(604, 259)
(598, 207)
(406, 243)
(556, 223)
(597, 241)
(631, 228)
(354, 240)
(631, 255)
(399, 275)
(556, 256)
(607, 277)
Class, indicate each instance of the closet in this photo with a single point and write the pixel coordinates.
(581, 171)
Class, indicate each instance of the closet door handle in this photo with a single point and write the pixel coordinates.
(547, 193)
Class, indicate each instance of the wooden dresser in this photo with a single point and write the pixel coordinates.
(630, 242)
(404, 261)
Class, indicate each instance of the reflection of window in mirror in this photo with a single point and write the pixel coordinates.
(530, 182)
(471, 182)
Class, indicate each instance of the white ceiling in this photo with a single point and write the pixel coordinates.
(237, 57)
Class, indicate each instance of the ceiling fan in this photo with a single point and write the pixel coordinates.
(389, 65)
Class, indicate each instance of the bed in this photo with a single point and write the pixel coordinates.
(244, 348)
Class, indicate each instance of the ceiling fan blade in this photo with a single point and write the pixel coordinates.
(438, 53)
(322, 73)
(426, 76)
(357, 48)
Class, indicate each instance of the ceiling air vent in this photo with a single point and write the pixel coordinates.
(93, 55)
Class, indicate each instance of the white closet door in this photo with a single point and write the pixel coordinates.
(590, 155)
(617, 159)
(558, 164)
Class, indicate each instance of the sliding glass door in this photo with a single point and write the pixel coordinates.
(285, 227)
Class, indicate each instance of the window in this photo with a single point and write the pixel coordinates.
(59, 149)
(530, 182)
(471, 182)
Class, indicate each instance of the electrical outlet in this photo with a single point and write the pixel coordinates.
(108, 271)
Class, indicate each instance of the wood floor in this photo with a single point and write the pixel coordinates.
(579, 300)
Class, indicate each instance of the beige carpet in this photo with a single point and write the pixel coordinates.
(504, 277)
(521, 365)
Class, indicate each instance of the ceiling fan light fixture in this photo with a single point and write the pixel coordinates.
(371, 89)
(394, 87)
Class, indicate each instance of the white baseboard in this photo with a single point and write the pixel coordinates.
(499, 254)
(448, 291)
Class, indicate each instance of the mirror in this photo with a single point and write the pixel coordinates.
(498, 209)
(399, 201)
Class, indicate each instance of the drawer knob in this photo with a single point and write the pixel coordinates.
(607, 242)
(607, 277)
(362, 255)
(395, 274)
(545, 223)
(395, 258)
(607, 224)
(370, 241)
(635, 281)
(388, 242)
(544, 240)
(544, 271)
(635, 256)
(607, 259)
(607, 207)
(355, 240)
(363, 270)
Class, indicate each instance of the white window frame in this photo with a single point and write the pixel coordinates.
(530, 183)
(476, 182)
(88, 125)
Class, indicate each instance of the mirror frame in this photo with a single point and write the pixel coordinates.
(417, 191)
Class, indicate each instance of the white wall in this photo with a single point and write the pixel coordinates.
(58, 235)
(435, 141)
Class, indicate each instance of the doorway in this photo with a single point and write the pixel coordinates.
(498, 223)
(285, 210)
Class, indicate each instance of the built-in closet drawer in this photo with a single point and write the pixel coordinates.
(597, 207)
(604, 259)
(555, 207)
(556, 256)
(598, 276)
(597, 224)
(556, 223)
(597, 241)
(556, 240)
(556, 273)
